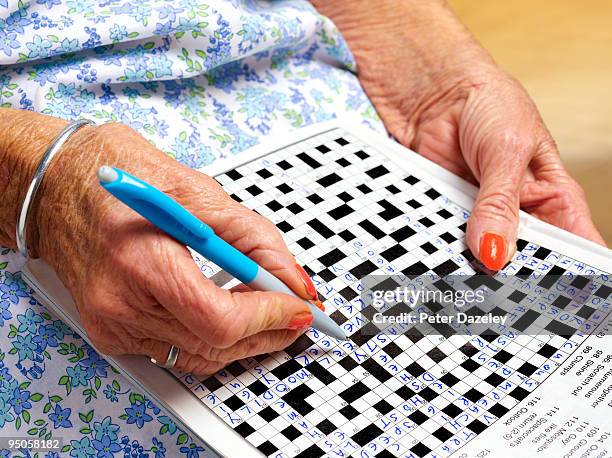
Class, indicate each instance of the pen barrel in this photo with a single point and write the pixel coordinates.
(227, 257)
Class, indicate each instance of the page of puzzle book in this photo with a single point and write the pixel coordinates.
(346, 211)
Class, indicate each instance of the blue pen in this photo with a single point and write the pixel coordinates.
(175, 220)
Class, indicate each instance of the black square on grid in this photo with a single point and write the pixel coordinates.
(473, 395)
(254, 190)
(420, 449)
(341, 141)
(524, 272)
(284, 188)
(338, 317)
(521, 244)
(327, 275)
(212, 383)
(264, 173)
(425, 221)
(315, 198)
(268, 414)
(580, 282)
(236, 198)
(383, 407)
(274, 205)
(418, 268)
(418, 417)
(364, 188)
(349, 412)
(541, 253)
(244, 429)
(436, 354)
(233, 402)
(236, 369)
(527, 369)
(477, 426)
(494, 379)
(519, 393)
(442, 434)
(284, 165)
(323, 149)
(385, 454)
(362, 154)
(517, 296)
(448, 237)
(343, 162)
(367, 434)
(305, 243)
(470, 365)
(326, 427)
(405, 392)
(234, 174)
(502, 356)
(345, 196)
(329, 180)
(392, 350)
(415, 369)
(429, 248)
(414, 204)
(291, 432)
(392, 189)
(432, 194)
(449, 379)
(314, 451)
(267, 448)
(348, 363)
(346, 235)
(468, 349)
(428, 394)
(411, 180)
(498, 410)
(547, 351)
(294, 208)
(462, 228)
(452, 410)
(258, 387)
(603, 291)
(284, 226)
(444, 213)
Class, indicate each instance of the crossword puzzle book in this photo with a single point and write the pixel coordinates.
(353, 206)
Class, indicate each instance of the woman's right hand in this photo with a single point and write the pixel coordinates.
(137, 290)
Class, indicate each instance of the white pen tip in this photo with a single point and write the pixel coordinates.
(107, 174)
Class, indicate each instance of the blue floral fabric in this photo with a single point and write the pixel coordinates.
(202, 81)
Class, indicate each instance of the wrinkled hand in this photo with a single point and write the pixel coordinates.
(488, 130)
(138, 290)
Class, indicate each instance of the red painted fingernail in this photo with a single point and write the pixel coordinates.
(301, 320)
(308, 284)
(493, 250)
(319, 305)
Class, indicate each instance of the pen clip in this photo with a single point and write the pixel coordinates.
(157, 207)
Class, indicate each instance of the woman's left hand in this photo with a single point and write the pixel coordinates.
(488, 130)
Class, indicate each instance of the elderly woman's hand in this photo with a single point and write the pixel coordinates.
(137, 290)
(440, 93)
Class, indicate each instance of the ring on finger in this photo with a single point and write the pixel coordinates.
(173, 355)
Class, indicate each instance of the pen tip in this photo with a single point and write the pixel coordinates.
(107, 174)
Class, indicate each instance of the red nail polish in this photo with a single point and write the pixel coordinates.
(319, 305)
(301, 320)
(493, 250)
(308, 284)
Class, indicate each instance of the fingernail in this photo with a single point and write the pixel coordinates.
(301, 320)
(308, 284)
(493, 250)
(319, 305)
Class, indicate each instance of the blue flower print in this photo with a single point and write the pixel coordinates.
(12, 289)
(5, 313)
(20, 401)
(28, 321)
(158, 448)
(106, 428)
(5, 414)
(25, 347)
(78, 375)
(82, 448)
(48, 3)
(111, 393)
(168, 425)
(5, 376)
(137, 414)
(118, 32)
(61, 417)
(39, 47)
(193, 451)
(94, 365)
(67, 45)
(46, 337)
(105, 447)
(8, 42)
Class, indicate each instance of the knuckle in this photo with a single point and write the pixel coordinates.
(496, 204)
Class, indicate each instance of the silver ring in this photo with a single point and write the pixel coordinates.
(173, 355)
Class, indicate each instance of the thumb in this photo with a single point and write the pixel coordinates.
(493, 225)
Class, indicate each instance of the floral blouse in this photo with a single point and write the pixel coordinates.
(202, 81)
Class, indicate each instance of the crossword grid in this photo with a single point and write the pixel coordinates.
(347, 211)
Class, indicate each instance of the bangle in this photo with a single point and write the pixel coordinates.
(52, 150)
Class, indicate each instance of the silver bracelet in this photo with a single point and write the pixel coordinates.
(52, 150)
